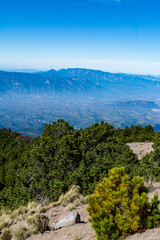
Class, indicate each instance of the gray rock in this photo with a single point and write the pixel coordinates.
(68, 220)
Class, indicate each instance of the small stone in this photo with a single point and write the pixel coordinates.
(68, 220)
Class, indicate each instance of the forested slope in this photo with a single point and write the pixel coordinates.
(42, 168)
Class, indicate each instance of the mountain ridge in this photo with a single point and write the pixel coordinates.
(78, 80)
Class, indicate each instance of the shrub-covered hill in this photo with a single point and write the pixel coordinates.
(42, 168)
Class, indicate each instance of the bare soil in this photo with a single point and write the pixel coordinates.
(80, 231)
(141, 148)
(152, 234)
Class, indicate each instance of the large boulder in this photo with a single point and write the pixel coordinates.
(68, 219)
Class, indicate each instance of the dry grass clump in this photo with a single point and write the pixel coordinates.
(72, 198)
(78, 202)
(21, 233)
(5, 210)
(29, 220)
(7, 217)
(6, 235)
(19, 214)
(28, 213)
(53, 213)
(30, 223)
(39, 223)
(5, 221)
(45, 208)
(33, 208)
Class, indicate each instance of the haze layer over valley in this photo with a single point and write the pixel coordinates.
(82, 97)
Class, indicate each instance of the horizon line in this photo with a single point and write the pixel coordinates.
(33, 71)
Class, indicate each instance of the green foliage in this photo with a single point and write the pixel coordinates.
(44, 168)
(80, 158)
(153, 219)
(12, 147)
(119, 206)
(135, 134)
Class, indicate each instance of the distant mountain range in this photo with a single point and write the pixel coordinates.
(80, 81)
(136, 105)
(82, 97)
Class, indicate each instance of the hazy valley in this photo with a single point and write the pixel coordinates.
(82, 97)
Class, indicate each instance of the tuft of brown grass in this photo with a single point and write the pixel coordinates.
(21, 233)
(44, 209)
(27, 213)
(5, 210)
(39, 222)
(33, 208)
(19, 214)
(7, 218)
(72, 196)
(5, 221)
(29, 219)
(53, 213)
(6, 235)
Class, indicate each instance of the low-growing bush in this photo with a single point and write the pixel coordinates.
(119, 206)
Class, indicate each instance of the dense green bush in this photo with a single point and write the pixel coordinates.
(135, 134)
(119, 206)
(64, 157)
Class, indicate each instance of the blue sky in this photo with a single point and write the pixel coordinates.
(111, 35)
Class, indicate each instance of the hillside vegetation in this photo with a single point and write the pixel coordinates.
(43, 168)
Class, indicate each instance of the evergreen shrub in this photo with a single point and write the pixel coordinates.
(119, 206)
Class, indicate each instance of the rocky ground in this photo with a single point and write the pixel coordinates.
(84, 231)
(141, 148)
(78, 231)
(152, 234)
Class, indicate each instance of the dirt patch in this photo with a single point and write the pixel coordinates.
(141, 148)
(80, 231)
(152, 234)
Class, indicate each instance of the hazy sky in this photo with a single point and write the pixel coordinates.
(111, 35)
